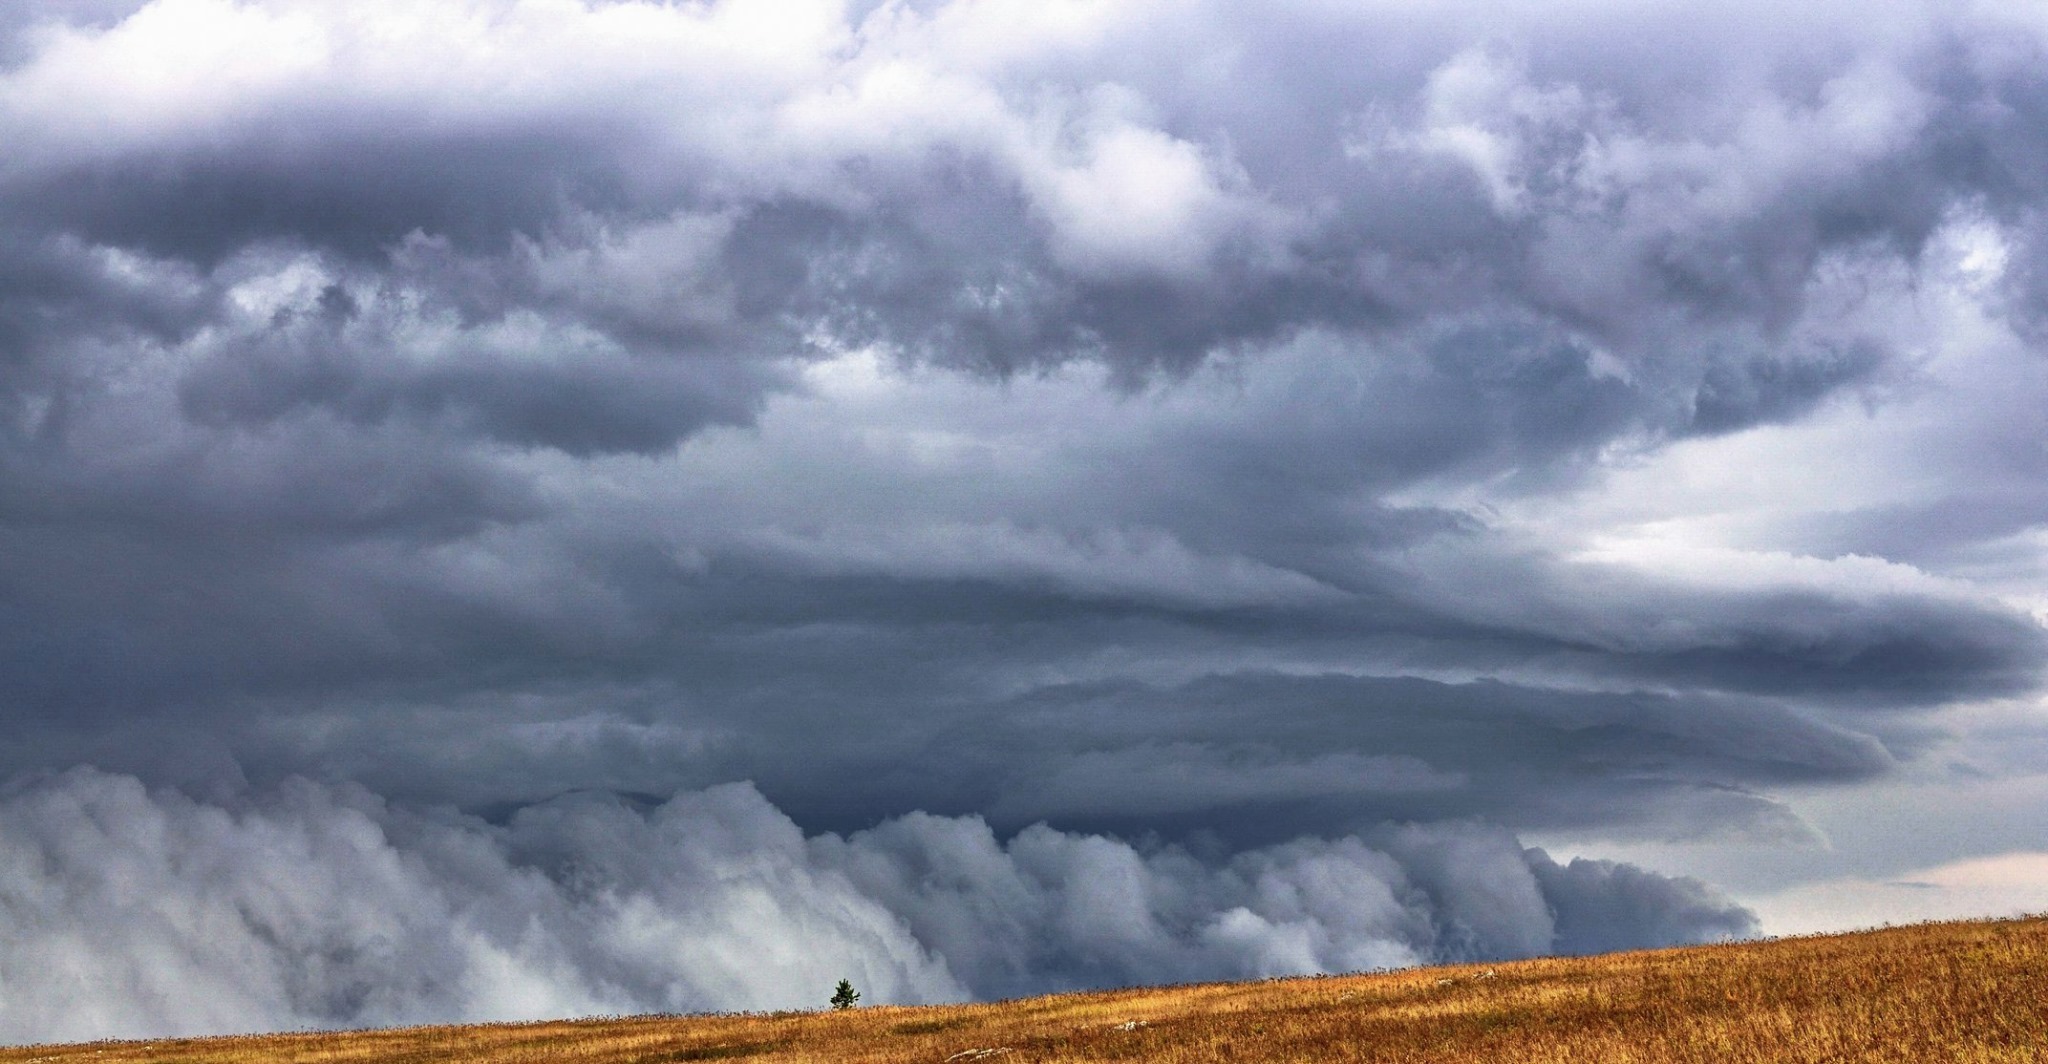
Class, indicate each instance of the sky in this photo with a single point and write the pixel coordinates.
(522, 508)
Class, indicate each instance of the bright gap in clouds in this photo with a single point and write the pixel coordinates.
(2014, 884)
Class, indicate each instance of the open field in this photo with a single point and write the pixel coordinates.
(1955, 992)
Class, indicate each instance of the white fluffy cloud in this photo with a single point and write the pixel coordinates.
(131, 912)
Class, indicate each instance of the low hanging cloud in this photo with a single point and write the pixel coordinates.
(134, 912)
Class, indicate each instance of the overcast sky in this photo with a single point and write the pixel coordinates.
(514, 508)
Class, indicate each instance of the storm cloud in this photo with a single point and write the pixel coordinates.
(995, 458)
(133, 912)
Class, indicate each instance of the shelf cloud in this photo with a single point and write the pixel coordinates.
(140, 913)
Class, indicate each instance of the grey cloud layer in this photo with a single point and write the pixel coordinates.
(338, 354)
(999, 189)
(131, 912)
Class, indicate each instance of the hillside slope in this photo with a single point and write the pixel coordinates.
(1954, 992)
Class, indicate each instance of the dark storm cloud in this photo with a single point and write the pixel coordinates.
(1158, 221)
(1184, 424)
(593, 397)
(1254, 757)
(1602, 906)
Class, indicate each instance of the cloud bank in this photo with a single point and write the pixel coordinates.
(137, 912)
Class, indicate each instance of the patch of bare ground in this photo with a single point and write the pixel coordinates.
(1953, 992)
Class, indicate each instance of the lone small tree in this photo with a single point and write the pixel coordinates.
(845, 997)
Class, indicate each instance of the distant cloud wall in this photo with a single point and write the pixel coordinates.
(136, 912)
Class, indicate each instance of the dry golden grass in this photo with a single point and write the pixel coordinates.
(1958, 992)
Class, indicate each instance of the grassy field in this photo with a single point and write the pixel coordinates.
(1954, 992)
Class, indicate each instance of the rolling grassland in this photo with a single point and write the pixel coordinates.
(1956, 992)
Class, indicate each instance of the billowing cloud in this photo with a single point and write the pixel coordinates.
(138, 912)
